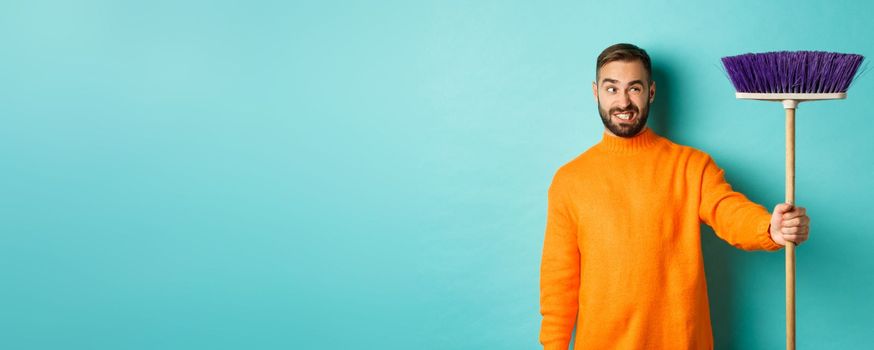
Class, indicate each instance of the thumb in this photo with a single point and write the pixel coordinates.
(782, 208)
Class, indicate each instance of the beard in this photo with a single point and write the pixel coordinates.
(624, 130)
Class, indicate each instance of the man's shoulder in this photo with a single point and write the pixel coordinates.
(580, 162)
(688, 152)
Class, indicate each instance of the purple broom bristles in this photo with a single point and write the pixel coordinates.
(792, 71)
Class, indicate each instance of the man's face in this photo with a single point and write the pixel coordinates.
(623, 94)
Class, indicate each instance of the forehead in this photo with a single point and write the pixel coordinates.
(623, 71)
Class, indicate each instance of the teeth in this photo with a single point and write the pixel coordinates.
(624, 116)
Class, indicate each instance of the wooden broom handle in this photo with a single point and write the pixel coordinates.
(790, 246)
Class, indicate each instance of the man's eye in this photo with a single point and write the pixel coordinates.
(611, 89)
(635, 89)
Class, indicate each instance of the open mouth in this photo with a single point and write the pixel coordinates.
(625, 116)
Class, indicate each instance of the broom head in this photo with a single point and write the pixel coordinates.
(792, 75)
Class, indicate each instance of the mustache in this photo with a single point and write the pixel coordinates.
(629, 108)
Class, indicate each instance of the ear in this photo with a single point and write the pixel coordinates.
(595, 91)
(652, 88)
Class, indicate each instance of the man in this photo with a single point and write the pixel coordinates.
(622, 252)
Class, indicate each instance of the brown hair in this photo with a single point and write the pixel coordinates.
(624, 52)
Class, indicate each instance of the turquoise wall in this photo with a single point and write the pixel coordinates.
(373, 175)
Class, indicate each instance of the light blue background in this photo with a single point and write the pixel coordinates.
(373, 175)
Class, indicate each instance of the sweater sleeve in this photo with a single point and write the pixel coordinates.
(735, 219)
(559, 270)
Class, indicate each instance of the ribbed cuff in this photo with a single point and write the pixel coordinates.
(764, 232)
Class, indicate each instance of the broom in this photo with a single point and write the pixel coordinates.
(791, 78)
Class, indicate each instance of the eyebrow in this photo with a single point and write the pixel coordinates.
(614, 81)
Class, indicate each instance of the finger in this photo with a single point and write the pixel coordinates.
(797, 221)
(782, 208)
(795, 238)
(798, 210)
(789, 230)
(794, 213)
(792, 222)
(800, 233)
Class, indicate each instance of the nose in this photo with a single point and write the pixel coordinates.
(625, 98)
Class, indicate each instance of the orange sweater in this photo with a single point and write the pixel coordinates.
(623, 245)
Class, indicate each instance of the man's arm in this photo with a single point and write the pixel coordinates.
(737, 220)
(559, 270)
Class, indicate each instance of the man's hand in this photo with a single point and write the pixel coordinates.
(790, 224)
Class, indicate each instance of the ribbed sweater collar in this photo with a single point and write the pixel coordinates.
(615, 144)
